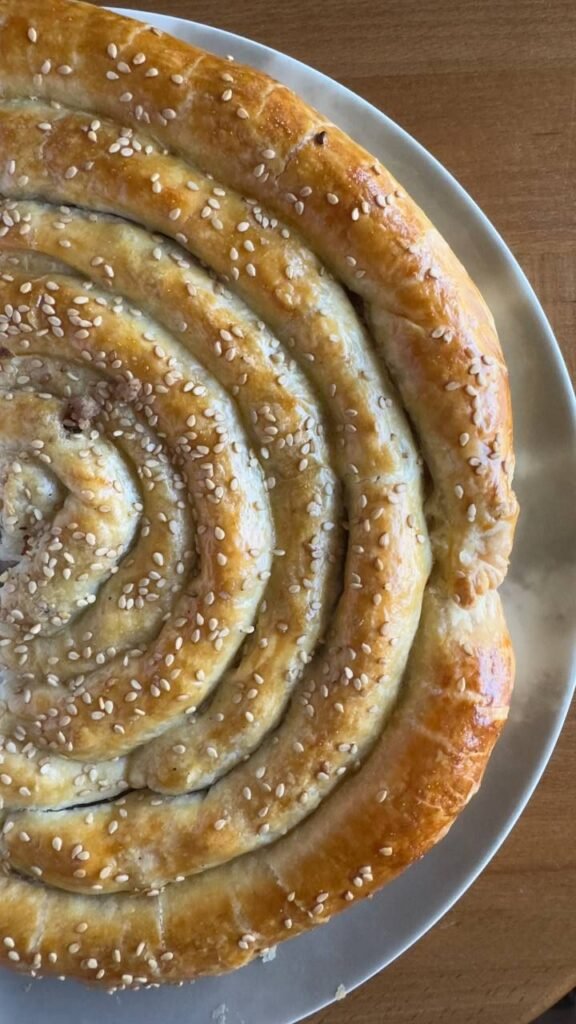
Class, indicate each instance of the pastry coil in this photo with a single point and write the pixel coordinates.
(256, 503)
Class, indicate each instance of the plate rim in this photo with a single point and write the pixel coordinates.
(568, 394)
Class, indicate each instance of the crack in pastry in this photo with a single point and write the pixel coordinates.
(251, 617)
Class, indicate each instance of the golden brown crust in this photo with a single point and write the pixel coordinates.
(214, 437)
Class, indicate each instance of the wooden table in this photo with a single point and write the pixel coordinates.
(489, 86)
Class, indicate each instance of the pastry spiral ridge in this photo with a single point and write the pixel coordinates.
(256, 499)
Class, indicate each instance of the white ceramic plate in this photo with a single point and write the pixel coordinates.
(540, 597)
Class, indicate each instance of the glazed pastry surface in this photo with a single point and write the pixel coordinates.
(255, 504)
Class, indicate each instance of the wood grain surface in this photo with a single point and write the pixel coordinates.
(489, 86)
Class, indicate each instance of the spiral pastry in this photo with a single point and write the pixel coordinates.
(256, 501)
